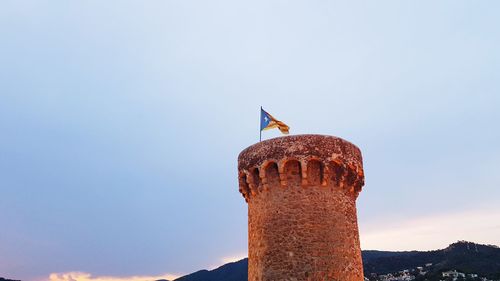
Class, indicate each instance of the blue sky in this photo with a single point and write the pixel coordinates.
(121, 122)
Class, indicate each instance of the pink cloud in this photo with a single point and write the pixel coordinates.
(83, 276)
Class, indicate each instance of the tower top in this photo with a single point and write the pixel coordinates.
(339, 162)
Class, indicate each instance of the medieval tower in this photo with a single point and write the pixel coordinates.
(301, 193)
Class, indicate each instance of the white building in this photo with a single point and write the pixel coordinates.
(454, 274)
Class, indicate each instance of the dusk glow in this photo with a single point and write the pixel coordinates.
(81, 276)
(121, 123)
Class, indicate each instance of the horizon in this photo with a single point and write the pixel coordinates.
(78, 275)
(122, 122)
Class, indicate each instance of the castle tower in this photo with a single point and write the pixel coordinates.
(301, 193)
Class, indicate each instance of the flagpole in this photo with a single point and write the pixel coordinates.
(260, 121)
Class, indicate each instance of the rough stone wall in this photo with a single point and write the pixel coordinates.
(301, 193)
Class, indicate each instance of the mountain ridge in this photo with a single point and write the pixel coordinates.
(465, 256)
(5, 279)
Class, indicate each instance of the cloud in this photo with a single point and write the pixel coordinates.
(433, 232)
(83, 276)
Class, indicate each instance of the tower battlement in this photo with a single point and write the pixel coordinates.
(309, 160)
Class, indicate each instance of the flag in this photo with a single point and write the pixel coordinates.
(267, 121)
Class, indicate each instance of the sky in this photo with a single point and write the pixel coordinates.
(121, 123)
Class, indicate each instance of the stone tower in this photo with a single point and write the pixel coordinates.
(301, 193)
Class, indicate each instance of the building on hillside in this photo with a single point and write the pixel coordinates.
(453, 273)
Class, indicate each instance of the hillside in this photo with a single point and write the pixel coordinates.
(463, 256)
(235, 271)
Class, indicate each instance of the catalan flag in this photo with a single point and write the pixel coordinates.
(267, 121)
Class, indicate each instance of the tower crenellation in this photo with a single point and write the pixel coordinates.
(339, 165)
